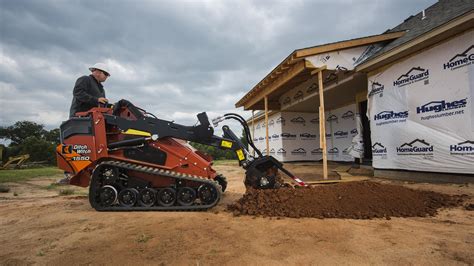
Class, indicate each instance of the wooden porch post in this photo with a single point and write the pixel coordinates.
(253, 130)
(322, 125)
(322, 120)
(266, 125)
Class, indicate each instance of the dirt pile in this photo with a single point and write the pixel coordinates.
(354, 200)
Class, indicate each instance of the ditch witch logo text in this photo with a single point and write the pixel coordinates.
(463, 148)
(460, 60)
(377, 88)
(413, 75)
(416, 147)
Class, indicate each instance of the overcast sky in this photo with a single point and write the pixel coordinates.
(172, 58)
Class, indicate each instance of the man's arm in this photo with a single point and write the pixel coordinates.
(81, 91)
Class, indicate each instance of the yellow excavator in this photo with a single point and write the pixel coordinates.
(13, 162)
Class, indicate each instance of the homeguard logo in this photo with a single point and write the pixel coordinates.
(280, 120)
(298, 96)
(272, 151)
(298, 120)
(378, 149)
(299, 151)
(413, 75)
(286, 101)
(312, 87)
(348, 115)
(315, 120)
(463, 148)
(333, 151)
(275, 136)
(439, 106)
(460, 60)
(281, 151)
(258, 126)
(332, 118)
(287, 136)
(416, 147)
(341, 134)
(307, 136)
(271, 123)
(354, 131)
(317, 151)
(377, 88)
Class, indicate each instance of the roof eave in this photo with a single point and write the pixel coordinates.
(460, 23)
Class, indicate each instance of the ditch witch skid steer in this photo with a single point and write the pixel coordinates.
(131, 160)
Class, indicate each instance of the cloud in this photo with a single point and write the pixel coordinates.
(173, 58)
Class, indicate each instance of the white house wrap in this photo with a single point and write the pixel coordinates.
(421, 110)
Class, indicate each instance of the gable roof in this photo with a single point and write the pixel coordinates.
(295, 63)
(438, 14)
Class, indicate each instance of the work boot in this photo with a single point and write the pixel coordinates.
(65, 179)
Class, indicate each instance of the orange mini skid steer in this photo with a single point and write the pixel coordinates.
(132, 160)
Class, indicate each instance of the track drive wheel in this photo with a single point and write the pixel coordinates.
(186, 196)
(109, 175)
(128, 197)
(166, 197)
(147, 197)
(207, 193)
(107, 196)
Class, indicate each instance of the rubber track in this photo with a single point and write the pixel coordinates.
(160, 172)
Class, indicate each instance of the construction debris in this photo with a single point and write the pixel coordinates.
(353, 200)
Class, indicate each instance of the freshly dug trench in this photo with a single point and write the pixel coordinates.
(354, 200)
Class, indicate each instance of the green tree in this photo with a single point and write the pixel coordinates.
(39, 150)
(21, 130)
(28, 137)
(52, 136)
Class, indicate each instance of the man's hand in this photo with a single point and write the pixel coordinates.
(103, 100)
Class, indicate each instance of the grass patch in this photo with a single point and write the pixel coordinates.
(225, 162)
(66, 192)
(143, 238)
(25, 174)
(52, 186)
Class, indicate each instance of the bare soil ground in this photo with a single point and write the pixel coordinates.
(39, 226)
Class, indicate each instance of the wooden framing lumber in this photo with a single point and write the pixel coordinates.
(266, 125)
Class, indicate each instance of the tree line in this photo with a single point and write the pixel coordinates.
(26, 137)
